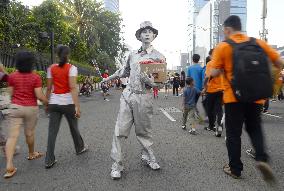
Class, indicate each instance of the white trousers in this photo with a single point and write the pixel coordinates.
(137, 110)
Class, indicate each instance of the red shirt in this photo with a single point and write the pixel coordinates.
(60, 78)
(105, 75)
(23, 88)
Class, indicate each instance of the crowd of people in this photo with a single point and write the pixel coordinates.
(227, 101)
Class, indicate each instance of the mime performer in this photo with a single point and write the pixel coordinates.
(136, 107)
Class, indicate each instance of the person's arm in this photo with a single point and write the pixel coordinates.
(123, 72)
(48, 84)
(217, 62)
(39, 94)
(74, 93)
(273, 55)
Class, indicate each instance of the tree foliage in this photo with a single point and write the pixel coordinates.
(84, 25)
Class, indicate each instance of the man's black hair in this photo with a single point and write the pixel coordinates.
(196, 58)
(210, 52)
(189, 81)
(208, 59)
(234, 22)
(25, 61)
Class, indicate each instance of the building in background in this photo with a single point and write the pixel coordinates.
(184, 61)
(112, 5)
(205, 28)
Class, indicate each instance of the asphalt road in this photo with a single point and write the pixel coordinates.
(188, 162)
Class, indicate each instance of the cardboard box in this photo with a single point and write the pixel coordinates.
(157, 70)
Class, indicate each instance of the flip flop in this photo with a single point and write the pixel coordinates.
(10, 172)
(35, 155)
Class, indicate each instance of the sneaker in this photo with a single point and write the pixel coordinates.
(218, 133)
(47, 166)
(208, 129)
(150, 161)
(85, 149)
(115, 174)
(266, 171)
(183, 127)
(251, 153)
(273, 100)
(116, 170)
(192, 132)
(106, 99)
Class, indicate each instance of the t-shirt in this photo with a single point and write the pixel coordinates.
(195, 71)
(190, 95)
(24, 85)
(105, 75)
(223, 59)
(66, 98)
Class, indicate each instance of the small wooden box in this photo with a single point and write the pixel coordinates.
(157, 70)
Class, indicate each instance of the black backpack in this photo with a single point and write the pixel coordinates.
(252, 79)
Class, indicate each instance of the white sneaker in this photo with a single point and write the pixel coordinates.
(150, 161)
(115, 174)
(218, 131)
(183, 127)
(116, 170)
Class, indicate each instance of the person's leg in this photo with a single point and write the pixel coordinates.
(55, 116)
(234, 118)
(15, 119)
(14, 132)
(219, 109)
(174, 90)
(184, 116)
(210, 110)
(69, 113)
(142, 112)
(254, 130)
(30, 121)
(122, 129)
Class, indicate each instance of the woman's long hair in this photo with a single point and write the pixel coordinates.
(63, 52)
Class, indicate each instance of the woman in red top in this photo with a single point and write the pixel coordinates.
(25, 88)
(63, 100)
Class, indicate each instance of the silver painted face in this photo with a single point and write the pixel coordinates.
(147, 36)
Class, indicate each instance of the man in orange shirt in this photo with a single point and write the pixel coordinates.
(214, 93)
(237, 113)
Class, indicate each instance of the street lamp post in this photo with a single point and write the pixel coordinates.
(263, 34)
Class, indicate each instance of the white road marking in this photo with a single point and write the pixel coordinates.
(167, 115)
(271, 115)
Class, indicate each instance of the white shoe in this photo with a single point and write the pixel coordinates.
(115, 174)
(218, 131)
(116, 170)
(154, 165)
(150, 161)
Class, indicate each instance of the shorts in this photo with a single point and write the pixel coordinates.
(123, 86)
(23, 115)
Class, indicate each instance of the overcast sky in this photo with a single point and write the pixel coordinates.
(170, 18)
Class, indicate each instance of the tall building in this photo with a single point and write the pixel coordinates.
(206, 26)
(112, 5)
(184, 61)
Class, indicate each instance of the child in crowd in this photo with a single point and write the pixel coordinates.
(190, 95)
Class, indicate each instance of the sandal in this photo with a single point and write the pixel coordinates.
(10, 172)
(34, 155)
(227, 170)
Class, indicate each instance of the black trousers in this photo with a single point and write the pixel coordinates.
(237, 114)
(56, 112)
(214, 108)
(175, 90)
